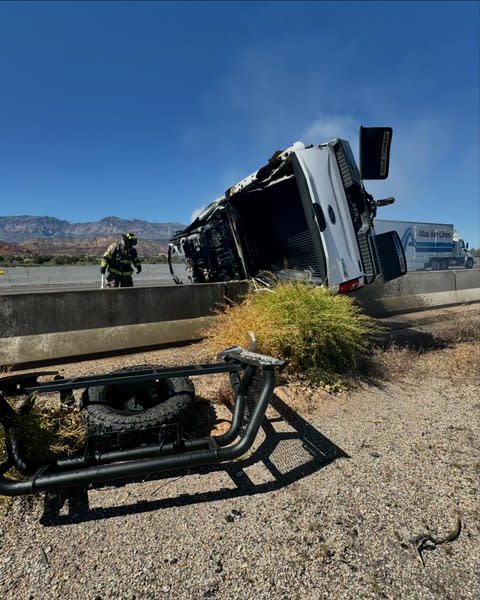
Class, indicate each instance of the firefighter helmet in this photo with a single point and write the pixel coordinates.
(130, 238)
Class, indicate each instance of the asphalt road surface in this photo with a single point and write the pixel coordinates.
(19, 280)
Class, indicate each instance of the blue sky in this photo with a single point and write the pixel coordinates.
(152, 109)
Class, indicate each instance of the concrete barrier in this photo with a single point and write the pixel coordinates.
(48, 326)
(55, 325)
(467, 285)
(420, 290)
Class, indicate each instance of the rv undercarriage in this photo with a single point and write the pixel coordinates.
(260, 229)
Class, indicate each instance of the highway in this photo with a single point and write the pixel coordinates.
(24, 280)
(71, 287)
(21, 280)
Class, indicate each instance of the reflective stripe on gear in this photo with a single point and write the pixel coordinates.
(120, 273)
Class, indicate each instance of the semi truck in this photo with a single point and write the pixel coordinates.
(304, 215)
(429, 245)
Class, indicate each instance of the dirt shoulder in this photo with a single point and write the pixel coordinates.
(369, 493)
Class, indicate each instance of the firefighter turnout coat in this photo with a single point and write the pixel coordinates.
(120, 259)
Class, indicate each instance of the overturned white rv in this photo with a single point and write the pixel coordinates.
(306, 214)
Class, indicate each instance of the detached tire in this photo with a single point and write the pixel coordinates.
(134, 412)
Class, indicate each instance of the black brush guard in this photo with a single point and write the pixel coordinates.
(94, 468)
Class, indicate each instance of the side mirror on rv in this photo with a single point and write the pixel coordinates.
(374, 151)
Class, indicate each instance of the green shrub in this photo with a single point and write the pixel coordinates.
(319, 334)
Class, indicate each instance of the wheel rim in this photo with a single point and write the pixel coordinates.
(132, 399)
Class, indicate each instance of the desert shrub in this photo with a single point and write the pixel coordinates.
(46, 433)
(317, 333)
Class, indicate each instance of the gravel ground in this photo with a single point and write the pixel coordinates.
(328, 506)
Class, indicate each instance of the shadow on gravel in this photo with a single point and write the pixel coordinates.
(398, 334)
(393, 335)
(292, 449)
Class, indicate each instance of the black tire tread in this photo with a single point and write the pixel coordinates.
(177, 408)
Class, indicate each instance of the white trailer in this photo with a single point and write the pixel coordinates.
(429, 245)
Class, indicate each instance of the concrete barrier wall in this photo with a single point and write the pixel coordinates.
(48, 326)
(468, 279)
(419, 290)
(28, 314)
(54, 325)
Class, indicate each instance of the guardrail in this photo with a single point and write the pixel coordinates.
(49, 326)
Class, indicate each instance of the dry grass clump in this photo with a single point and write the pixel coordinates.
(459, 362)
(394, 361)
(47, 432)
(454, 337)
(464, 328)
(318, 334)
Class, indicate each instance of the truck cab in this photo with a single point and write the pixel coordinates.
(461, 255)
(304, 215)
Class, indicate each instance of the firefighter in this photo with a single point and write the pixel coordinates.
(120, 258)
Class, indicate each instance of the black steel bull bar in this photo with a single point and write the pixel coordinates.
(126, 465)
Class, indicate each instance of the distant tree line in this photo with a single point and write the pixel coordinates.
(33, 260)
(46, 260)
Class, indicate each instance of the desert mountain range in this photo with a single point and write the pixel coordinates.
(26, 234)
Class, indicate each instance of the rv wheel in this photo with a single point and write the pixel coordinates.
(469, 263)
(139, 408)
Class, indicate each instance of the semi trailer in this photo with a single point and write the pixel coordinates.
(304, 215)
(429, 245)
